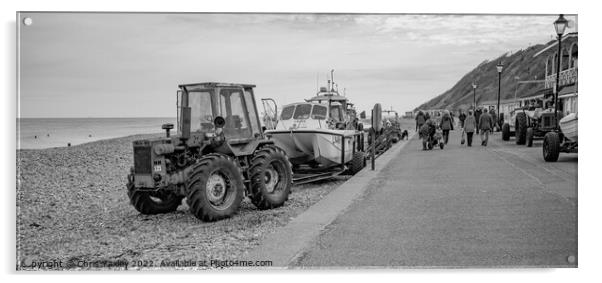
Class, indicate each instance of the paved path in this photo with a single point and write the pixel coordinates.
(500, 205)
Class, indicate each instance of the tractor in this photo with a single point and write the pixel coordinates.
(530, 121)
(218, 156)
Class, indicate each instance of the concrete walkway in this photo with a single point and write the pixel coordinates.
(495, 206)
(285, 245)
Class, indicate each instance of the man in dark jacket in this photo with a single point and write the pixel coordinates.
(447, 124)
(485, 126)
(462, 117)
(420, 119)
(477, 116)
(493, 116)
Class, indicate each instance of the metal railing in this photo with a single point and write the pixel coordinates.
(567, 76)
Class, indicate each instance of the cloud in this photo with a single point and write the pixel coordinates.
(102, 64)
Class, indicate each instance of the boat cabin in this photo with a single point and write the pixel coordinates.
(336, 103)
(310, 116)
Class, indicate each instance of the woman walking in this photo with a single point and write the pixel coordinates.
(470, 125)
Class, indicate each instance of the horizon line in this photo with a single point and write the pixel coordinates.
(94, 117)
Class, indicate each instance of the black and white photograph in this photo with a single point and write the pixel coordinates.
(257, 141)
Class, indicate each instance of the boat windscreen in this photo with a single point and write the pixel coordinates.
(287, 112)
(302, 111)
(318, 112)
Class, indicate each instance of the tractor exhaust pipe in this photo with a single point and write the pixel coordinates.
(185, 123)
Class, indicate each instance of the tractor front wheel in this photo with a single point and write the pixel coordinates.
(271, 177)
(506, 132)
(153, 202)
(520, 126)
(215, 189)
(551, 147)
(529, 137)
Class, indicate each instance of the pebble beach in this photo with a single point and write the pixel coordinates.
(72, 206)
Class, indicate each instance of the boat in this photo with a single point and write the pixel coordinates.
(568, 126)
(309, 135)
(320, 132)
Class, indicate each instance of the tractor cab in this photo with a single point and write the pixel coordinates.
(204, 107)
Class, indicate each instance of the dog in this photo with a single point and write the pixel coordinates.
(404, 135)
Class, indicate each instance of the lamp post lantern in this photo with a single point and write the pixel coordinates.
(559, 25)
(474, 95)
(500, 68)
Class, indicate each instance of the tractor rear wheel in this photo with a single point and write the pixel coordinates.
(521, 127)
(529, 137)
(153, 202)
(506, 132)
(215, 187)
(271, 177)
(551, 147)
(358, 162)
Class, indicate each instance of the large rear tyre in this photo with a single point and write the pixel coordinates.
(529, 137)
(521, 127)
(506, 132)
(551, 147)
(357, 163)
(215, 189)
(271, 177)
(155, 202)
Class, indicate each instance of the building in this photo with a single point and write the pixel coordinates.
(568, 81)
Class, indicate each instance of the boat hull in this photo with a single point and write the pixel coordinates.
(569, 128)
(321, 146)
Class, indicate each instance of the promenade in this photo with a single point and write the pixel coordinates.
(494, 206)
(499, 205)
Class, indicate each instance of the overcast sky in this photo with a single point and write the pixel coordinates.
(129, 65)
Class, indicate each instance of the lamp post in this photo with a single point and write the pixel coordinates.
(474, 96)
(559, 25)
(499, 67)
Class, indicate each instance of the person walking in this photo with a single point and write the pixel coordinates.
(462, 118)
(420, 119)
(493, 116)
(446, 125)
(470, 125)
(477, 116)
(485, 125)
(427, 131)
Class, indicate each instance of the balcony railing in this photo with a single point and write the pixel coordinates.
(567, 76)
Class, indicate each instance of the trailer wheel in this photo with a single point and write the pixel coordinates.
(357, 163)
(156, 202)
(215, 189)
(529, 137)
(506, 132)
(551, 147)
(271, 177)
(521, 127)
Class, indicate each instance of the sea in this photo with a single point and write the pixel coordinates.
(40, 133)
